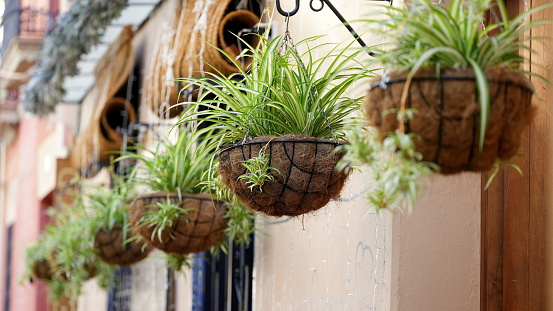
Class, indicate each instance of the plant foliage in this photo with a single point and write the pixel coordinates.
(162, 218)
(172, 167)
(76, 33)
(178, 262)
(108, 208)
(396, 167)
(258, 171)
(67, 246)
(283, 92)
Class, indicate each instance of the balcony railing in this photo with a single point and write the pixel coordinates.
(26, 22)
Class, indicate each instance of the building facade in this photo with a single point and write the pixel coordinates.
(447, 255)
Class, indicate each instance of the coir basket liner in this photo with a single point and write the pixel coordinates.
(306, 179)
(447, 118)
(110, 246)
(200, 228)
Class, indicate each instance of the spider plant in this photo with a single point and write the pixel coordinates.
(427, 35)
(107, 208)
(178, 262)
(38, 254)
(283, 92)
(66, 245)
(241, 220)
(162, 217)
(171, 167)
(108, 214)
(395, 166)
(258, 171)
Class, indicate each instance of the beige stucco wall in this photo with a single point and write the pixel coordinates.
(436, 249)
(339, 258)
(149, 283)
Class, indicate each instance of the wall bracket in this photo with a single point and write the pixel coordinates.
(334, 10)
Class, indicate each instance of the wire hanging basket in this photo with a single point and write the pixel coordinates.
(304, 177)
(113, 247)
(202, 225)
(447, 118)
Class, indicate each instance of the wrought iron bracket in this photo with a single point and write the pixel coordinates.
(319, 8)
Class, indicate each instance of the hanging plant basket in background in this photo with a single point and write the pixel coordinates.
(201, 226)
(112, 247)
(304, 177)
(42, 270)
(447, 115)
(89, 267)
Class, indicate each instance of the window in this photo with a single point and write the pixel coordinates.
(121, 289)
(8, 268)
(223, 283)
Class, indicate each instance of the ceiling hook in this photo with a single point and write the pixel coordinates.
(288, 14)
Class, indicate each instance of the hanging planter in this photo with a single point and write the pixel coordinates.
(113, 247)
(176, 215)
(42, 270)
(454, 95)
(36, 261)
(447, 118)
(279, 123)
(63, 255)
(60, 267)
(303, 175)
(108, 215)
(199, 225)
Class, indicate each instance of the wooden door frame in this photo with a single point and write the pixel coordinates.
(514, 209)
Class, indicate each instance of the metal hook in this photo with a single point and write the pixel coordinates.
(322, 4)
(284, 13)
(315, 9)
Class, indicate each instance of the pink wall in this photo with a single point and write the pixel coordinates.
(35, 3)
(27, 224)
(11, 168)
(21, 161)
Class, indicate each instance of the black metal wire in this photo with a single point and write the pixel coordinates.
(280, 141)
(335, 11)
(445, 78)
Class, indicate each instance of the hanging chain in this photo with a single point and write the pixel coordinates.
(287, 41)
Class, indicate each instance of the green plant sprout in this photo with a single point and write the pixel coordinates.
(396, 167)
(163, 216)
(258, 171)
